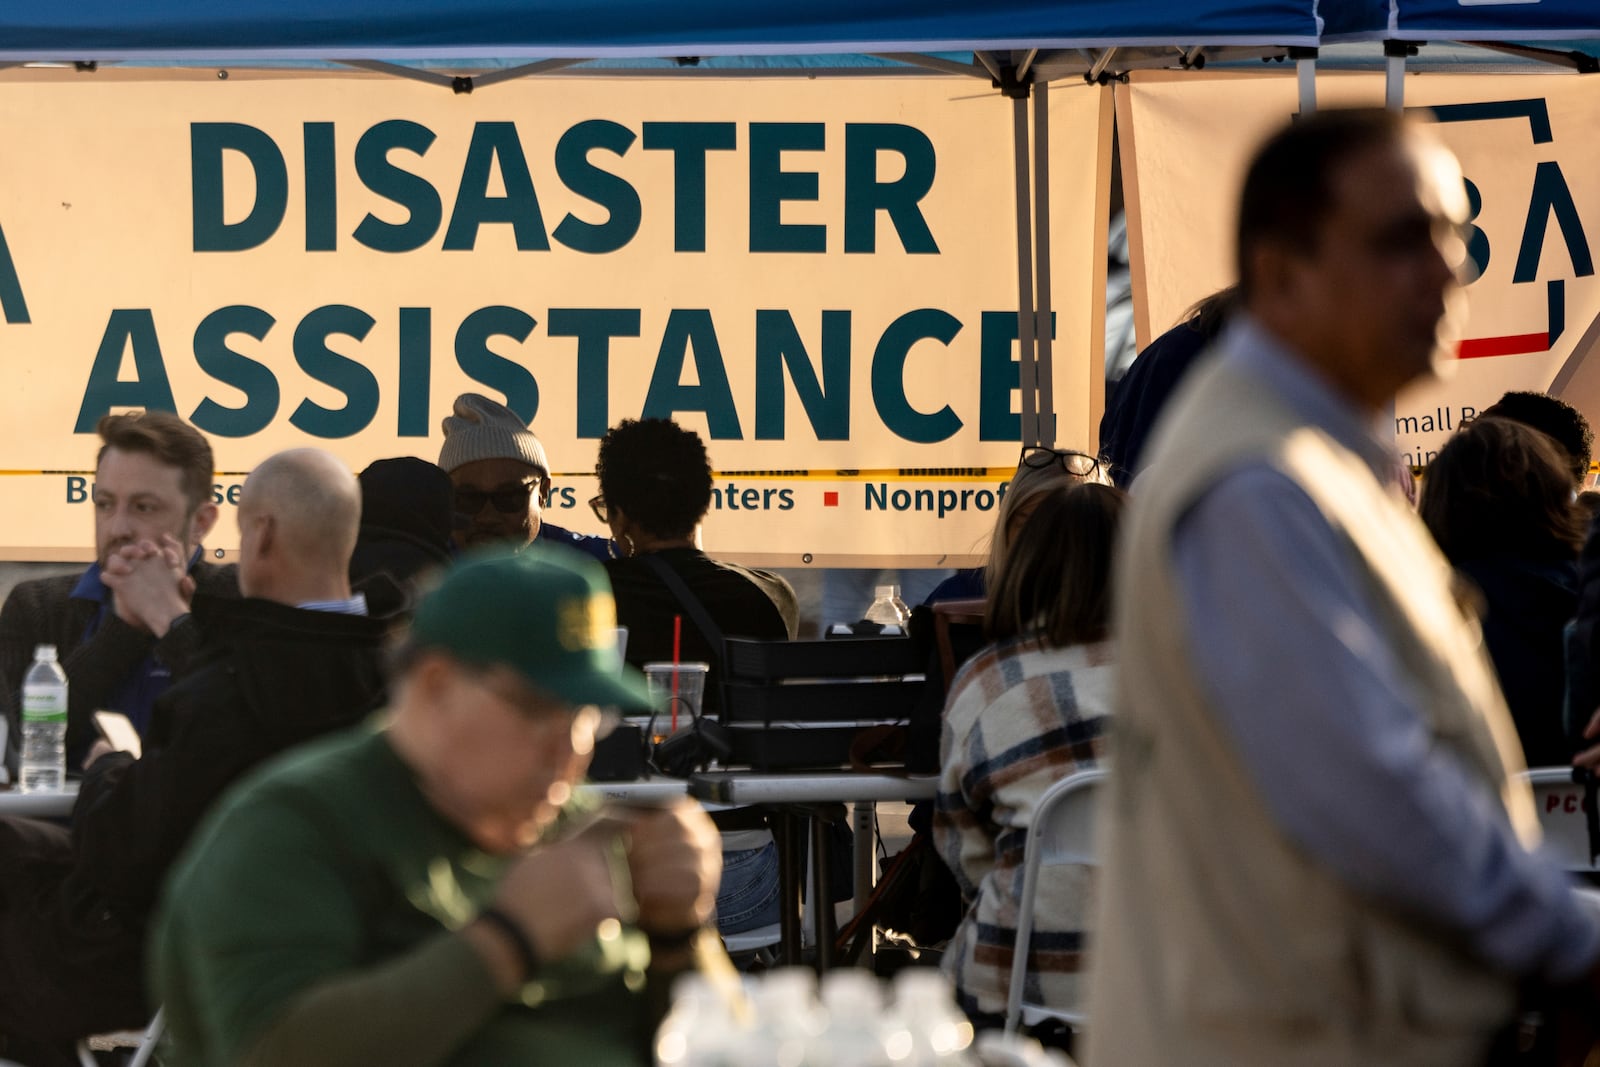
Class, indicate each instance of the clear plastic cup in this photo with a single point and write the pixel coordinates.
(678, 689)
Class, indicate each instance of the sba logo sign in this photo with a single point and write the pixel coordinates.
(1550, 203)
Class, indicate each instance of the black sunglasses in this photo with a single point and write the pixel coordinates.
(507, 501)
(1078, 464)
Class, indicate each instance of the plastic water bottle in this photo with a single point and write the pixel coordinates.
(699, 1029)
(925, 1002)
(996, 1048)
(857, 1033)
(786, 1023)
(887, 609)
(44, 723)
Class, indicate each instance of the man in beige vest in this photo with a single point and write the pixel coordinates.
(1315, 849)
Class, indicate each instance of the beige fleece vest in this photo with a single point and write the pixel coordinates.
(1219, 942)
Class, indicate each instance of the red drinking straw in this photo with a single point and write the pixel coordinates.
(677, 651)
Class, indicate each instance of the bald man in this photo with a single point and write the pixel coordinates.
(297, 657)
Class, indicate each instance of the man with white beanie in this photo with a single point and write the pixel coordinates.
(502, 479)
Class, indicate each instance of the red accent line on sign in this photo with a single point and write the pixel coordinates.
(1514, 345)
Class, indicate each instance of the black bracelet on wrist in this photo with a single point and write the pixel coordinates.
(516, 937)
(669, 942)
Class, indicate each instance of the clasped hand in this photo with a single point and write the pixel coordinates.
(150, 583)
(559, 894)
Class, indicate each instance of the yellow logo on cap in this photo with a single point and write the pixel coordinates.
(585, 624)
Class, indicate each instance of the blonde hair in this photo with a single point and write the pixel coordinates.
(1056, 581)
(1025, 488)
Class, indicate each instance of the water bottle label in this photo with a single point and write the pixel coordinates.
(46, 705)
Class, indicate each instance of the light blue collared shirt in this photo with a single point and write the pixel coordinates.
(1291, 655)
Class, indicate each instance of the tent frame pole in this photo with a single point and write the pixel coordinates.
(1029, 405)
(461, 83)
(1305, 69)
(935, 63)
(1394, 73)
(1044, 318)
(1582, 62)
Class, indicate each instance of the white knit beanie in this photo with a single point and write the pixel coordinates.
(483, 429)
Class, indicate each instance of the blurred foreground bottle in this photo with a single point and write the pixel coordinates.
(926, 1004)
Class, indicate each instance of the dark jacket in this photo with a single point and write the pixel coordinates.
(43, 611)
(268, 677)
(1583, 645)
(1528, 604)
(1141, 396)
(741, 601)
(590, 545)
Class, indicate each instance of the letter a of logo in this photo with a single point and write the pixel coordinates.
(11, 301)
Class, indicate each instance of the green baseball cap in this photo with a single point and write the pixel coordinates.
(545, 611)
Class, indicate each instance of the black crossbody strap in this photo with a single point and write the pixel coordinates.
(697, 613)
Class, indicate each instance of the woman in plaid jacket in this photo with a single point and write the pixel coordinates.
(1028, 710)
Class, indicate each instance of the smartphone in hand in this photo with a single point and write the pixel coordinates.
(119, 733)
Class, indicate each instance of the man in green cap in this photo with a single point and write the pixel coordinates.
(426, 892)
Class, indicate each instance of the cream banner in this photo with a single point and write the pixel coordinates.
(1532, 165)
(817, 275)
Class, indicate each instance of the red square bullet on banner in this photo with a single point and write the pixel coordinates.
(830, 499)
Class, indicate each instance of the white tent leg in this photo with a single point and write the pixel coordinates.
(1394, 82)
(1306, 71)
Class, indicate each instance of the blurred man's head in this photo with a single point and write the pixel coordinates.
(498, 469)
(153, 477)
(299, 512)
(509, 665)
(1349, 245)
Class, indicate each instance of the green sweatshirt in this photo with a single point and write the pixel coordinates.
(313, 922)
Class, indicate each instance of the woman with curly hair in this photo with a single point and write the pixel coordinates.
(655, 488)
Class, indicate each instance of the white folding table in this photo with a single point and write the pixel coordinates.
(793, 799)
(52, 805)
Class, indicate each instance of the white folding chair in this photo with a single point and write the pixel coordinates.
(1561, 816)
(759, 943)
(1061, 832)
(144, 1044)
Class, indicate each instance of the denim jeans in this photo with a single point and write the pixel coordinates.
(748, 897)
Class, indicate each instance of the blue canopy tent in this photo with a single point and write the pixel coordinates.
(1494, 20)
(430, 29)
(1562, 32)
(1018, 46)
(1531, 31)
